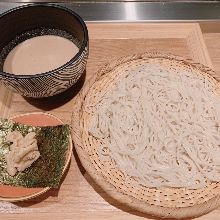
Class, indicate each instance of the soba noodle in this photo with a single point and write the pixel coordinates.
(161, 128)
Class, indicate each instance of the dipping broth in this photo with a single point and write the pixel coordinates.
(39, 55)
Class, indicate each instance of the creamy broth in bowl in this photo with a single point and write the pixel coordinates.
(42, 56)
(39, 55)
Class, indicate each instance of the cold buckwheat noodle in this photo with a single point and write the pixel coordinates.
(161, 128)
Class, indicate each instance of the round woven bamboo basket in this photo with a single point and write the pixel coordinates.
(167, 202)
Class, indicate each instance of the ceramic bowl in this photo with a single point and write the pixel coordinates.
(15, 194)
(32, 20)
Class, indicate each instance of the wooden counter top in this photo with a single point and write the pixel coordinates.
(79, 197)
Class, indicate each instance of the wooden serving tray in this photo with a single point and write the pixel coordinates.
(79, 197)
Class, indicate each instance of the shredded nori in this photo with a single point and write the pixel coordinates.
(47, 171)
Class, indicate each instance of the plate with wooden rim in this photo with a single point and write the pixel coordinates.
(15, 194)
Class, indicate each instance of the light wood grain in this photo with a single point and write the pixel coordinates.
(78, 196)
(133, 31)
(212, 41)
(5, 100)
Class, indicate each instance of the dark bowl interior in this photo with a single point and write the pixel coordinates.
(40, 16)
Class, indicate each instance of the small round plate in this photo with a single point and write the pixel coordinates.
(14, 194)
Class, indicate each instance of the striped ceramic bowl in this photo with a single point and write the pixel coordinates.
(32, 20)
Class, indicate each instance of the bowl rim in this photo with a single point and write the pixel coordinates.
(51, 72)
